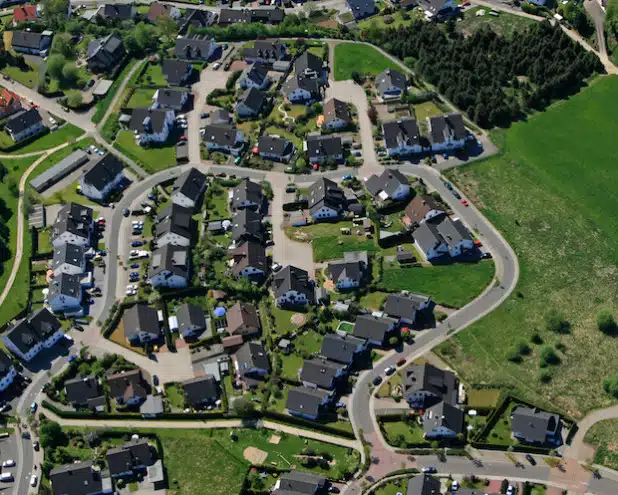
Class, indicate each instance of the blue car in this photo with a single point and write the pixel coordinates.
(33, 407)
(151, 196)
(346, 177)
(135, 265)
(448, 185)
(456, 194)
(135, 274)
(72, 358)
(136, 243)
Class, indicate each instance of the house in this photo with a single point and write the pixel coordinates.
(275, 148)
(447, 132)
(321, 373)
(65, 294)
(232, 343)
(105, 53)
(69, 259)
(326, 200)
(227, 17)
(7, 371)
(194, 47)
(310, 66)
(25, 13)
(401, 137)
(73, 225)
(80, 478)
(10, 103)
(292, 287)
(390, 185)
(404, 307)
(533, 426)
(391, 83)
(201, 391)
(151, 125)
(342, 348)
(80, 390)
(152, 407)
(197, 19)
(375, 329)
(324, 148)
(434, 8)
(130, 459)
(24, 124)
(254, 76)
(306, 402)
(225, 138)
(421, 208)
(272, 15)
(337, 115)
(443, 421)
(29, 336)
(361, 8)
(247, 226)
(157, 10)
(442, 236)
(243, 319)
(32, 43)
(175, 226)
(177, 72)
(170, 267)
(127, 387)
(250, 103)
(102, 178)
(265, 52)
(220, 116)
(251, 363)
(300, 483)
(117, 11)
(350, 272)
(141, 325)
(309, 78)
(249, 260)
(425, 385)
(423, 484)
(173, 99)
(247, 194)
(191, 320)
(188, 188)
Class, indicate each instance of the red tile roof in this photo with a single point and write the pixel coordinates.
(25, 13)
(7, 98)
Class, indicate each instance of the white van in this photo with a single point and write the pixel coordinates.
(6, 477)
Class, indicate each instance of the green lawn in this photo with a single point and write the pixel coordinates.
(142, 97)
(152, 159)
(218, 204)
(504, 24)
(551, 194)
(500, 434)
(103, 105)
(426, 109)
(604, 435)
(377, 21)
(357, 57)
(373, 300)
(450, 285)
(291, 364)
(402, 433)
(29, 78)
(175, 395)
(153, 76)
(274, 130)
(44, 242)
(69, 195)
(283, 322)
(393, 487)
(67, 133)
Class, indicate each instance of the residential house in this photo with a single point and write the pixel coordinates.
(152, 407)
(105, 53)
(447, 132)
(191, 320)
(390, 185)
(309, 65)
(443, 421)
(249, 260)
(197, 19)
(141, 325)
(177, 72)
(227, 17)
(157, 10)
(80, 478)
(81, 391)
(102, 178)
(201, 391)
(442, 236)
(7, 371)
(321, 373)
(243, 319)
(326, 200)
(224, 138)
(421, 208)
(175, 226)
(247, 226)
(391, 83)
(25, 13)
(401, 137)
(250, 103)
(220, 116)
(433, 8)
(275, 148)
(127, 387)
(254, 76)
(375, 329)
(306, 402)
(73, 225)
(152, 125)
(29, 336)
(117, 11)
(342, 348)
(251, 363)
(247, 194)
(425, 385)
(188, 188)
(309, 78)
(195, 47)
(232, 343)
(265, 52)
(24, 124)
(423, 484)
(337, 115)
(65, 294)
(32, 43)
(292, 287)
(69, 259)
(533, 426)
(350, 272)
(10, 103)
(300, 483)
(168, 98)
(404, 307)
(272, 15)
(170, 267)
(324, 148)
(130, 459)
(362, 8)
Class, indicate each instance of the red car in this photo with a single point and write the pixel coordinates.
(464, 202)
(401, 362)
(477, 243)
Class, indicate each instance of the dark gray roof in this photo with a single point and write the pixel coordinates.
(325, 192)
(201, 389)
(106, 51)
(336, 109)
(190, 316)
(253, 99)
(300, 483)
(176, 219)
(175, 259)
(27, 39)
(448, 126)
(388, 182)
(59, 170)
(423, 484)
(299, 82)
(104, 171)
(391, 78)
(361, 8)
(68, 253)
(321, 372)
(233, 16)
(265, 49)
(433, 6)
(5, 364)
(246, 224)
(127, 384)
(274, 145)
(175, 71)
(249, 254)
(198, 19)
(428, 378)
(340, 349)
(437, 230)
(133, 453)
(220, 116)
(221, 134)
(247, 190)
(256, 72)
(305, 400)
(152, 405)
(372, 327)
(443, 415)
(340, 270)
(401, 131)
(80, 478)
(118, 11)
(240, 16)
(44, 323)
(146, 120)
(308, 62)
(192, 47)
(532, 423)
(324, 146)
(293, 278)
(79, 390)
(23, 336)
(242, 314)
(66, 285)
(21, 121)
(252, 355)
(170, 97)
(402, 306)
(190, 183)
(141, 318)
(73, 218)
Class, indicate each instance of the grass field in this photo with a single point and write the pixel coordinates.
(153, 76)
(552, 196)
(604, 435)
(67, 133)
(152, 159)
(29, 78)
(397, 431)
(142, 97)
(393, 487)
(102, 105)
(377, 21)
(426, 109)
(356, 57)
(504, 24)
(450, 285)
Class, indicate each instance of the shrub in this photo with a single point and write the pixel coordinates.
(556, 322)
(549, 356)
(610, 385)
(514, 356)
(523, 348)
(545, 376)
(536, 338)
(606, 322)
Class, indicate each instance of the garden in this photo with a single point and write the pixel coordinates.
(357, 57)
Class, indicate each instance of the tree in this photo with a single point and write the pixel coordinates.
(55, 64)
(504, 486)
(74, 99)
(606, 322)
(393, 341)
(63, 45)
(372, 113)
(556, 322)
(548, 356)
(54, 12)
(610, 385)
(167, 26)
(51, 435)
(146, 37)
(243, 407)
(70, 74)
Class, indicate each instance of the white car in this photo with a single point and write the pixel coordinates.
(9, 463)
(131, 292)
(510, 490)
(100, 219)
(132, 287)
(455, 485)
(389, 371)
(34, 480)
(182, 116)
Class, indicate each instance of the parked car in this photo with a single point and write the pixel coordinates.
(429, 469)
(126, 212)
(135, 265)
(9, 463)
(401, 362)
(530, 459)
(34, 480)
(33, 407)
(377, 380)
(36, 446)
(486, 256)
(456, 194)
(448, 185)
(137, 243)
(465, 202)
(389, 371)
(72, 358)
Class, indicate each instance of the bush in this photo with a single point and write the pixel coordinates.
(549, 356)
(545, 376)
(556, 322)
(514, 356)
(606, 322)
(610, 385)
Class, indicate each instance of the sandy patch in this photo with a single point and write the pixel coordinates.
(298, 319)
(274, 439)
(254, 455)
